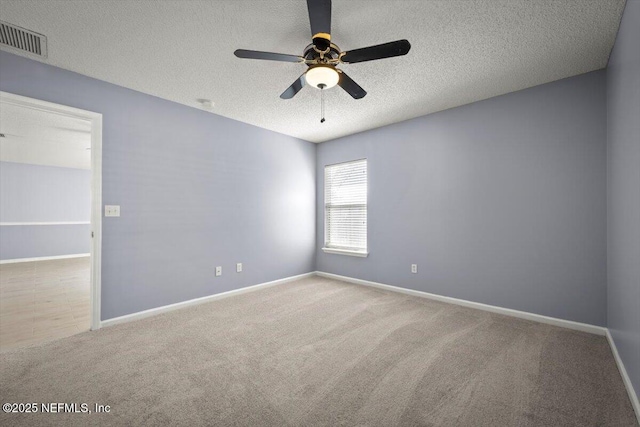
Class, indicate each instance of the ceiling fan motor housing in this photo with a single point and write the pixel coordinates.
(311, 54)
(322, 42)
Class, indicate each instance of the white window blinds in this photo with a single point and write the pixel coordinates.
(345, 206)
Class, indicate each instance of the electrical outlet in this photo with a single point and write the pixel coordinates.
(218, 271)
(414, 268)
(239, 267)
(111, 210)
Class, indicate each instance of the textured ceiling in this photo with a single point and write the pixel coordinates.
(43, 138)
(462, 51)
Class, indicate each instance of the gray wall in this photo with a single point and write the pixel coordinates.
(500, 202)
(196, 190)
(35, 241)
(623, 115)
(34, 193)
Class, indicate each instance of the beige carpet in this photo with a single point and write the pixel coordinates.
(323, 352)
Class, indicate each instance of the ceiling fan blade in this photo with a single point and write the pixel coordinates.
(351, 87)
(380, 51)
(269, 56)
(294, 88)
(320, 19)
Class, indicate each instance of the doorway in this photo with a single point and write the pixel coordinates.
(50, 221)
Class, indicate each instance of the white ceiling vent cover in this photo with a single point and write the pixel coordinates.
(22, 40)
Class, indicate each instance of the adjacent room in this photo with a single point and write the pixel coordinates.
(45, 192)
(319, 213)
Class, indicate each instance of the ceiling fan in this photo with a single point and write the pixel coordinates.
(322, 56)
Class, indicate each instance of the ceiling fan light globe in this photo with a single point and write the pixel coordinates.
(322, 75)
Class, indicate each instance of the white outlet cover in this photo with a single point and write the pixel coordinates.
(239, 267)
(111, 210)
(414, 268)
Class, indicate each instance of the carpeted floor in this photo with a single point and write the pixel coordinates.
(322, 352)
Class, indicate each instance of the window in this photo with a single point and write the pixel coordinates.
(345, 208)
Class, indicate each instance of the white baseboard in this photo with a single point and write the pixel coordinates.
(166, 308)
(584, 327)
(625, 377)
(43, 258)
(9, 224)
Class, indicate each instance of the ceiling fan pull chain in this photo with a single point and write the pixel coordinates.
(321, 86)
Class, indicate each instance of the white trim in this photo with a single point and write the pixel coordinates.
(96, 183)
(345, 252)
(584, 327)
(166, 308)
(7, 224)
(42, 258)
(96, 219)
(625, 376)
(49, 107)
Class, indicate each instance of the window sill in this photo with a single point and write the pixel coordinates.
(345, 252)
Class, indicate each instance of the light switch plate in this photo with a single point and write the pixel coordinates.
(239, 267)
(111, 210)
(218, 271)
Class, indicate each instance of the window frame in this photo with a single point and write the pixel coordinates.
(327, 248)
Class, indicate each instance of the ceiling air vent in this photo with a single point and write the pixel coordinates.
(22, 40)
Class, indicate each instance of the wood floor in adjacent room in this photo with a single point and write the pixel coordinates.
(42, 301)
(320, 352)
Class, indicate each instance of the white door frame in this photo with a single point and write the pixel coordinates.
(96, 184)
